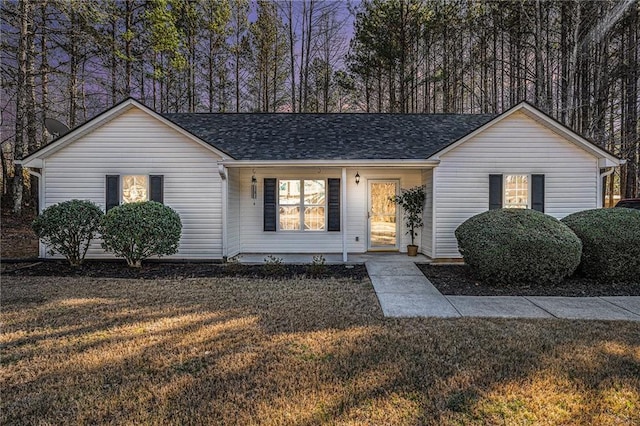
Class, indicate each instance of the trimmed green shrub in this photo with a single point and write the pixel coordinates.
(140, 230)
(504, 246)
(610, 242)
(68, 228)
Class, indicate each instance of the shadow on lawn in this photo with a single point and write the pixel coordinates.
(302, 352)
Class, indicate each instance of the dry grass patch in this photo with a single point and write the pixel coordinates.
(303, 352)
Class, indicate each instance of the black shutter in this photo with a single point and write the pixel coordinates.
(537, 192)
(495, 192)
(333, 197)
(156, 188)
(270, 205)
(112, 192)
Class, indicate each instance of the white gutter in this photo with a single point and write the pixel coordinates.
(331, 163)
(603, 175)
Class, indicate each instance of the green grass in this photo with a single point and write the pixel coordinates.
(303, 352)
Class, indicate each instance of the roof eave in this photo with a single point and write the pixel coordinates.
(400, 163)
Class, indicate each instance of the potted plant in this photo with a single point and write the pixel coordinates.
(412, 202)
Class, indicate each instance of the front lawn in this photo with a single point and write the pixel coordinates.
(80, 350)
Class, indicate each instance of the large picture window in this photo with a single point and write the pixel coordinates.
(302, 204)
(516, 191)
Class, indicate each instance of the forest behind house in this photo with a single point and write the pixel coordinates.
(578, 61)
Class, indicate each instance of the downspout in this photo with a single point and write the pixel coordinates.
(222, 170)
(608, 171)
(41, 248)
(434, 216)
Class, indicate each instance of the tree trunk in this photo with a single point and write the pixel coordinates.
(631, 101)
(127, 48)
(24, 98)
(308, 51)
(44, 68)
(292, 58)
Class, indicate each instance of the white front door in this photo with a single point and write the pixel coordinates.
(383, 215)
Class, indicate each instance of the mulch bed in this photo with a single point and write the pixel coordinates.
(457, 280)
(166, 270)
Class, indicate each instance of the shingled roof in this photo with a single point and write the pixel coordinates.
(283, 136)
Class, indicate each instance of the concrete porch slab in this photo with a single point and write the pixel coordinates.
(334, 258)
(497, 307)
(396, 257)
(582, 308)
(259, 258)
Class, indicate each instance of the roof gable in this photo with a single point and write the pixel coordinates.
(35, 158)
(606, 159)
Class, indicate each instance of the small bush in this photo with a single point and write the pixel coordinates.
(610, 242)
(504, 246)
(140, 230)
(68, 228)
(233, 265)
(273, 266)
(318, 266)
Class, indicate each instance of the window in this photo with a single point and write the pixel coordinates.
(131, 188)
(516, 191)
(135, 188)
(302, 204)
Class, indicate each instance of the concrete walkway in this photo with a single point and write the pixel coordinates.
(404, 291)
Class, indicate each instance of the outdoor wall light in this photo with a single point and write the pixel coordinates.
(357, 178)
(254, 187)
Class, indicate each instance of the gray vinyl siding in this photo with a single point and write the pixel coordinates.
(135, 143)
(515, 145)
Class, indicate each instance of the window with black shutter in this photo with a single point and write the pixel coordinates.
(156, 188)
(270, 204)
(308, 205)
(495, 192)
(133, 188)
(112, 191)
(333, 196)
(537, 192)
(516, 191)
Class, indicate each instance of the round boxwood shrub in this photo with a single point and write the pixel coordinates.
(506, 246)
(610, 242)
(140, 230)
(68, 228)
